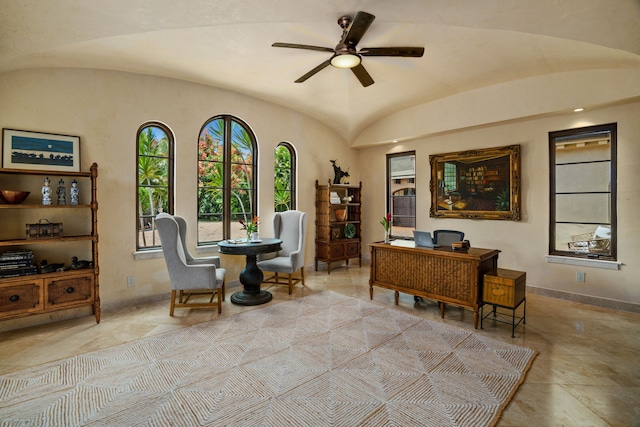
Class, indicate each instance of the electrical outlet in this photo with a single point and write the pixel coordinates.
(581, 276)
(131, 281)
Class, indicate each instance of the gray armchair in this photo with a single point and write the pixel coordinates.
(291, 228)
(190, 276)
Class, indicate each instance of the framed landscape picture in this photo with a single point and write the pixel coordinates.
(476, 184)
(40, 151)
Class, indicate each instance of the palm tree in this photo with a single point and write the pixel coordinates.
(152, 173)
(211, 168)
(282, 196)
(241, 178)
(282, 179)
(211, 172)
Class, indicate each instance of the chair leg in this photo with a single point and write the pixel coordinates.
(183, 298)
(223, 290)
(173, 303)
(290, 279)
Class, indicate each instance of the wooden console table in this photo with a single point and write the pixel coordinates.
(441, 274)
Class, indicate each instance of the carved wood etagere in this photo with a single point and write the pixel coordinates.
(25, 295)
(338, 223)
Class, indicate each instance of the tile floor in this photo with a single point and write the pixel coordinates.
(587, 372)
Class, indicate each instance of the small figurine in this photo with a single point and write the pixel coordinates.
(46, 192)
(77, 265)
(74, 192)
(62, 193)
(45, 267)
(339, 173)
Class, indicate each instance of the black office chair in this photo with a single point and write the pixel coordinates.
(447, 237)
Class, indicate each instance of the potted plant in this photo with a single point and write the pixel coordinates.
(386, 223)
(251, 228)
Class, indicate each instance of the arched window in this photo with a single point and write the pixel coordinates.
(284, 177)
(155, 181)
(227, 179)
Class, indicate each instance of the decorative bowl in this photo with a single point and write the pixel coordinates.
(13, 197)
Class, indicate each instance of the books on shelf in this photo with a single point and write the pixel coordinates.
(9, 255)
(17, 272)
(17, 263)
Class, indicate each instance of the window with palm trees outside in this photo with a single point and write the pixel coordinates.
(284, 177)
(155, 181)
(227, 178)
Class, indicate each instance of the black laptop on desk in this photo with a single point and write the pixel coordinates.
(423, 239)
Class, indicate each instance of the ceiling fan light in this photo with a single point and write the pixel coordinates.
(345, 60)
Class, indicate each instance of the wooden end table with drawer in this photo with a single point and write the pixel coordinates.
(507, 289)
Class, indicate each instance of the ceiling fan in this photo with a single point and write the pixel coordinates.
(345, 54)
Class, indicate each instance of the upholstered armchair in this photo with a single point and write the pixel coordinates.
(291, 228)
(447, 237)
(190, 277)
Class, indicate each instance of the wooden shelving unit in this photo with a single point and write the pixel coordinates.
(337, 238)
(25, 295)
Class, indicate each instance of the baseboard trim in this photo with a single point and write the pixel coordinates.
(149, 299)
(79, 312)
(36, 320)
(585, 299)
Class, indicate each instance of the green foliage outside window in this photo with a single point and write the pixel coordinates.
(283, 192)
(225, 167)
(153, 179)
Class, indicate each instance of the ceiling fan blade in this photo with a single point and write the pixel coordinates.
(414, 52)
(303, 46)
(362, 75)
(314, 71)
(358, 27)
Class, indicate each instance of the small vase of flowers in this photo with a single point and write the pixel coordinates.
(251, 227)
(386, 223)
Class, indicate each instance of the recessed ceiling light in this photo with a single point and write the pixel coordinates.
(577, 110)
(394, 141)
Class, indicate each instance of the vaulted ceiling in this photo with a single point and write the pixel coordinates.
(469, 45)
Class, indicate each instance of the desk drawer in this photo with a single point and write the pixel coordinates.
(504, 287)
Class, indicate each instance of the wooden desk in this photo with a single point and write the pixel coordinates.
(441, 274)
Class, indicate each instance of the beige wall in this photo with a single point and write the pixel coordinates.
(106, 108)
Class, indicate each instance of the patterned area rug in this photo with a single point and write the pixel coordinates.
(322, 360)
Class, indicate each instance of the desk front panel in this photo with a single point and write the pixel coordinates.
(440, 274)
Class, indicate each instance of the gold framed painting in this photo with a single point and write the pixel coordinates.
(476, 184)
